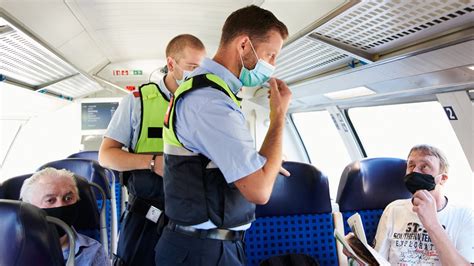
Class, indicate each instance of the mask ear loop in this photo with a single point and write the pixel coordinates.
(253, 49)
(182, 70)
(443, 173)
(241, 60)
(254, 52)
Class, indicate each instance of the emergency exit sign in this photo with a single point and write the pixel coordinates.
(127, 72)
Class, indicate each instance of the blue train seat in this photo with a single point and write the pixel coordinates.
(91, 155)
(10, 188)
(297, 218)
(88, 222)
(95, 174)
(367, 187)
(113, 177)
(26, 238)
(117, 199)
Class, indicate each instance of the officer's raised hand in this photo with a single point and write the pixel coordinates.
(280, 96)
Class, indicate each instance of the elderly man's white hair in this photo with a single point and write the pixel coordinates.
(29, 183)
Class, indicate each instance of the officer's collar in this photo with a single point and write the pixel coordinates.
(163, 88)
(211, 66)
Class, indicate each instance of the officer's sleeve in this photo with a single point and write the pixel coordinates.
(210, 123)
(120, 126)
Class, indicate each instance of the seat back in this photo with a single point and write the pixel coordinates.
(367, 187)
(114, 205)
(11, 187)
(26, 238)
(297, 218)
(91, 155)
(87, 168)
(112, 176)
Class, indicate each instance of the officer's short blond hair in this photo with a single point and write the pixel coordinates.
(177, 45)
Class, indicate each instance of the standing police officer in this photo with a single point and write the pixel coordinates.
(213, 176)
(137, 124)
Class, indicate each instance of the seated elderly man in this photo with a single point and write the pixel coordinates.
(55, 191)
(427, 229)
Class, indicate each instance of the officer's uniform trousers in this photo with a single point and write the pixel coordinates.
(139, 235)
(182, 249)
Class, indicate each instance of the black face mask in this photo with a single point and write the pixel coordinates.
(416, 181)
(67, 214)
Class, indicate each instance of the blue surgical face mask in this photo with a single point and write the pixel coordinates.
(257, 76)
(186, 74)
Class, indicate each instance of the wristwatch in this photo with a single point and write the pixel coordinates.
(152, 163)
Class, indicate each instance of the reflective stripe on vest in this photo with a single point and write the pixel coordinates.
(154, 105)
(196, 82)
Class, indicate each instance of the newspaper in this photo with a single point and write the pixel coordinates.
(355, 244)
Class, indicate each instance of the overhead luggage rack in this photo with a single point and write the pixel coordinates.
(365, 31)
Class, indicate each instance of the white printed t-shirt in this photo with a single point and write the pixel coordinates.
(402, 239)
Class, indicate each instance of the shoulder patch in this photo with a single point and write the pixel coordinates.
(136, 93)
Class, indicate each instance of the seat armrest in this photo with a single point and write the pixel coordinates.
(339, 227)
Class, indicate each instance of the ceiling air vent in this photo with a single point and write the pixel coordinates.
(21, 60)
(27, 61)
(360, 32)
(75, 87)
(306, 57)
(376, 26)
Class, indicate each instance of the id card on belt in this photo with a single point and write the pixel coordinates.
(153, 214)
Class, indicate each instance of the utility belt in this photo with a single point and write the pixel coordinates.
(150, 209)
(217, 234)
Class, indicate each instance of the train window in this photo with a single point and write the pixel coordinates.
(392, 130)
(323, 144)
(9, 130)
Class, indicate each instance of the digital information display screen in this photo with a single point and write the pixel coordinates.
(97, 115)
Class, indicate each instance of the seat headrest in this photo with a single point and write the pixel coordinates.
(11, 187)
(26, 238)
(87, 206)
(94, 155)
(91, 155)
(371, 184)
(306, 191)
(89, 169)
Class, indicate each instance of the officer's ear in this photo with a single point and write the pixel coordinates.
(243, 43)
(170, 63)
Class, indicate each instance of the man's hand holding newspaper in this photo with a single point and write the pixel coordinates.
(355, 244)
